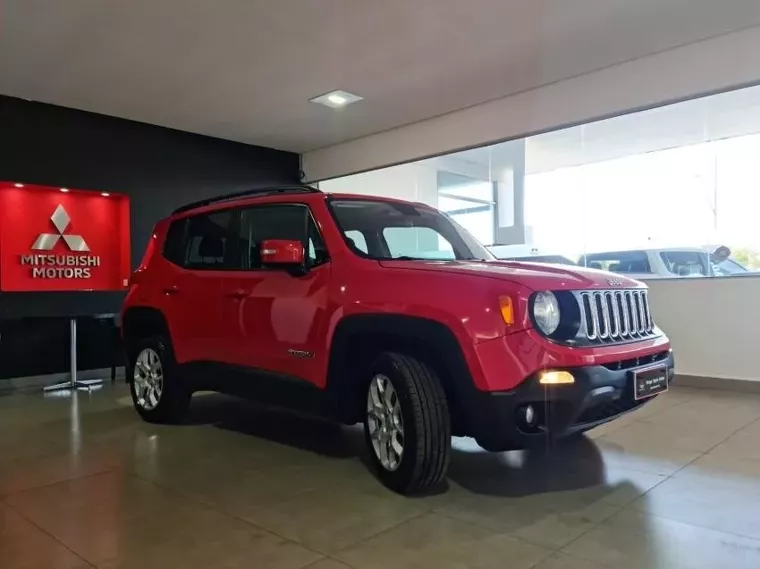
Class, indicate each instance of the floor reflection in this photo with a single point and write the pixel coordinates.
(84, 482)
(564, 465)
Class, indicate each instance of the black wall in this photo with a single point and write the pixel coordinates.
(158, 168)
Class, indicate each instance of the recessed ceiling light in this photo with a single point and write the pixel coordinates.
(336, 99)
(19, 185)
(105, 194)
(65, 190)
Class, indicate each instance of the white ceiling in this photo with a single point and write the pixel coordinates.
(245, 69)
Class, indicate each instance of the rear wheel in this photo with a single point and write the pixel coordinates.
(407, 424)
(158, 394)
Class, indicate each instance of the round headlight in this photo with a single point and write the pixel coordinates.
(546, 312)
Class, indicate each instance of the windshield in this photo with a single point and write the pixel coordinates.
(404, 231)
(728, 267)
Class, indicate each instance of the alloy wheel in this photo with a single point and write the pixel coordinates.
(385, 422)
(148, 379)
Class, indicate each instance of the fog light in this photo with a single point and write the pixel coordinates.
(555, 378)
(527, 416)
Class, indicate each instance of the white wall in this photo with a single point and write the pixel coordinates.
(715, 64)
(714, 324)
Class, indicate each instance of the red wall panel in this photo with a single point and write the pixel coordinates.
(53, 240)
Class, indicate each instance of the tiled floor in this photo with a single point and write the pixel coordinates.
(84, 483)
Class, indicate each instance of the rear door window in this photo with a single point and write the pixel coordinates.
(211, 241)
(174, 246)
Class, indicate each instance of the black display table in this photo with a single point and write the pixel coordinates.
(37, 319)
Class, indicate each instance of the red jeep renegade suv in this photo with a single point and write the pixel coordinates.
(383, 312)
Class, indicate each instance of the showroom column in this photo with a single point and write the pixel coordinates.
(508, 170)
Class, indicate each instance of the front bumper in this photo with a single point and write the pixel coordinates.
(600, 394)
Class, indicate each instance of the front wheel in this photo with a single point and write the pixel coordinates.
(407, 424)
(158, 394)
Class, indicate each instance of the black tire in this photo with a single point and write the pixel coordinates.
(175, 394)
(426, 421)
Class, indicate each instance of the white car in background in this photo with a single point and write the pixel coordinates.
(673, 262)
(640, 264)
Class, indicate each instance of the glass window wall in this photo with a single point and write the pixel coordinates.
(670, 192)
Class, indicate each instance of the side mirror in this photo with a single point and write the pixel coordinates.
(720, 254)
(282, 252)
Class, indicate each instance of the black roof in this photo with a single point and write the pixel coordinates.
(294, 189)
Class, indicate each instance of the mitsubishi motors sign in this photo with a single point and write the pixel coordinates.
(57, 266)
(54, 240)
(61, 220)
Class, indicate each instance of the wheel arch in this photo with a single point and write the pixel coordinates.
(142, 322)
(359, 339)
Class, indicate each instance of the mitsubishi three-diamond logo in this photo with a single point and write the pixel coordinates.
(61, 220)
(77, 264)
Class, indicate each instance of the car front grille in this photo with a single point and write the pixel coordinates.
(611, 316)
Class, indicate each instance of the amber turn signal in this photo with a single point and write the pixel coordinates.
(555, 378)
(507, 309)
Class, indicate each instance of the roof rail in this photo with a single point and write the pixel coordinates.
(294, 189)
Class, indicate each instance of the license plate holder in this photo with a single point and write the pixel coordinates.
(650, 382)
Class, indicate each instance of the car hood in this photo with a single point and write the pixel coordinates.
(536, 276)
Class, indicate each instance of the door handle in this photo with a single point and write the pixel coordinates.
(174, 289)
(238, 294)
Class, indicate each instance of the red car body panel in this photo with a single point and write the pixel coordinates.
(260, 319)
(502, 364)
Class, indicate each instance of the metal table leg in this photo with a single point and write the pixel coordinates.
(73, 383)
